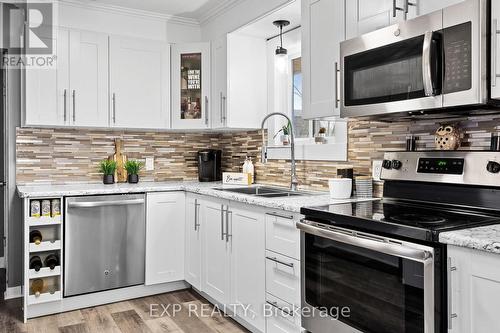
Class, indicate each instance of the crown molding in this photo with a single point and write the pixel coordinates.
(218, 10)
(133, 12)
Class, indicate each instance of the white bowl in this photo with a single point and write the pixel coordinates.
(340, 188)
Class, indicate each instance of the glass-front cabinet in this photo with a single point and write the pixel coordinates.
(190, 85)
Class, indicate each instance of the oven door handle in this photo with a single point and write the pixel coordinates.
(426, 64)
(369, 242)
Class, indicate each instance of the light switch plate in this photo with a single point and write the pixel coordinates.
(150, 163)
(376, 169)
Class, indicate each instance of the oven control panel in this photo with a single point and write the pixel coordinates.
(445, 166)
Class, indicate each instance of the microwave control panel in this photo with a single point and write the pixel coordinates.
(457, 46)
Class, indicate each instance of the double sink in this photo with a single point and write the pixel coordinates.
(265, 191)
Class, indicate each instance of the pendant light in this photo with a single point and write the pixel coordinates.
(281, 53)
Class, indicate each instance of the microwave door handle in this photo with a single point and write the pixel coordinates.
(426, 64)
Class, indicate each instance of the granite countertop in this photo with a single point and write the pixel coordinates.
(291, 204)
(482, 238)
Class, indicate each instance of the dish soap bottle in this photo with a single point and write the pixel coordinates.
(250, 169)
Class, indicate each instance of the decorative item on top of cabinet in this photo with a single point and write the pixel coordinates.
(448, 137)
(120, 159)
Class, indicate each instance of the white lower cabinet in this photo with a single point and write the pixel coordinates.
(192, 263)
(473, 290)
(164, 236)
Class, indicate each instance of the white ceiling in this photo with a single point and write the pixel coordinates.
(264, 28)
(193, 9)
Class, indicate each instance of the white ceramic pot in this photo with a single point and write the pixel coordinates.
(340, 188)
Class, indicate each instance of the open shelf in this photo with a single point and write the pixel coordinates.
(43, 221)
(44, 272)
(45, 298)
(45, 246)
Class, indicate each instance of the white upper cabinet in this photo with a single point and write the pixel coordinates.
(219, 83)
(140, 83)
(495, 49)
(88, 78)
(322, 32)
(165, 224)
(47, 89)
(190, 85)
(429, 6)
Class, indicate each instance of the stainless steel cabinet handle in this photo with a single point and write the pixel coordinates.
(451, 315)
(426, 64)
(289, 217)
(196, 216)
(114, 108)
(93, 204)
(494, 35)
(224, 108)
(228, 213)
(395, 8)
(65, 98)
(222, 212)
(74, 106)
(276, 260)
(206, 110)
(337, 85)
(221, 110)
(275, 305)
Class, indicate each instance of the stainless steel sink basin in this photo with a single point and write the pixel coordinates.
(264, 191)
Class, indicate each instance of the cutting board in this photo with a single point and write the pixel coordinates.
(120, 159)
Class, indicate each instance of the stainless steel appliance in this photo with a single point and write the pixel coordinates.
(438, 60)
(382, 259)
(104, 243)
(210, 165)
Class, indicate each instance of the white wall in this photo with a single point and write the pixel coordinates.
(242, 13)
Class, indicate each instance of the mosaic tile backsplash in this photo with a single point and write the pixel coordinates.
(61, 156)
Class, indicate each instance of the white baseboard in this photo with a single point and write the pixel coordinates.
(2, 262)
(13, 292)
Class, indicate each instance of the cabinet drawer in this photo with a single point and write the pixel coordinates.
(281, 316)
(282, 236)
(283, 277)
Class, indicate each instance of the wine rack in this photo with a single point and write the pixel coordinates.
(48, 286)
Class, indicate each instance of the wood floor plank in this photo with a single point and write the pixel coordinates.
(75, 328)
(157, 324)
(130, 322)
(99, 319)
(184, 296)
(217, 321)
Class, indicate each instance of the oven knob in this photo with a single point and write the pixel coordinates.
(386, 164)
(396, 164)
(493, 167)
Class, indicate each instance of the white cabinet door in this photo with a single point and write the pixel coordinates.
(364, 16)
(248, 266)
(495, 49)
(429, 6)
(322, 31)
(215, 251)
(88, 67)
(164, 237)
(192, 262)
(140, 83)
(47, 89)
(190, 85)
(475, 289)
(219, 83)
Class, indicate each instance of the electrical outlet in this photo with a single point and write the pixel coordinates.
(150, 163)
(376, 169)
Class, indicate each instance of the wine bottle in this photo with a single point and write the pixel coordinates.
(37, 287)
(36, 263)
(35, 237)
(52, 261)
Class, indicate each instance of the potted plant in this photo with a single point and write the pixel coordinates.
(285, 137)
(133, 167)
(321, 136)
(108, 169)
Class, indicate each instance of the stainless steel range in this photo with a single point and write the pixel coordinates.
(381, 260)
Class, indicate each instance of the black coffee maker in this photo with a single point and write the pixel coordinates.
(209, 165)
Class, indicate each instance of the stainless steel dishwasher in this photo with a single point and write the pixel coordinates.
(104, 243)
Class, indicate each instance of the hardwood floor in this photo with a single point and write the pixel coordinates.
(179, 312)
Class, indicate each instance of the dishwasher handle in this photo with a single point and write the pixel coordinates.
(93, 204)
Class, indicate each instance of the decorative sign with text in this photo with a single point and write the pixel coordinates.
(236, 178)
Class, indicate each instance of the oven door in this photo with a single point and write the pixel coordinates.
(394, 69)
(356, 282)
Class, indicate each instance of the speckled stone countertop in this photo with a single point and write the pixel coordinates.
(482, 238)
(291, 204)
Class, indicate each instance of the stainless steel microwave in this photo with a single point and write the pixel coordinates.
(439, 60)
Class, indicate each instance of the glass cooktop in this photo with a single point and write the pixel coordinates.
(423, 222)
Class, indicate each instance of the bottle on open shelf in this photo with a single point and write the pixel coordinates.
(36, 263)
(52, 261)
(36, 237)
(37, 286)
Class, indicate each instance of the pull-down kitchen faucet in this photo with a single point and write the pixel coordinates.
(294, 181)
